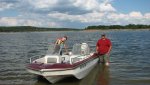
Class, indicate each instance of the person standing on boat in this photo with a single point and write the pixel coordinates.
(60, 44)
(103, 48)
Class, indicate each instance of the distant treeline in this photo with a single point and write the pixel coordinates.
(31, 29)
(130, 26)
(99, 27)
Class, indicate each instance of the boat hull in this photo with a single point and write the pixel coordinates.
(87, 67)
(56, 75)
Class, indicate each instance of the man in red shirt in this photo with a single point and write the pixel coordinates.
(103, 48)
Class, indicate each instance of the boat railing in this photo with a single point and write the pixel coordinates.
(34, 58)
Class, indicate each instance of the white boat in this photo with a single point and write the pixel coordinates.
(54, 67)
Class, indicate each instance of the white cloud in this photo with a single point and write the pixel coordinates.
(147, 16)
(8, 21)
(117, 16)
(43, 3)
(14, 21)
(106, 7)
(130, 18)
(4, 6)
(89, 17)
(105, 18)
(87, 5)
(94, 5)
(135, 15)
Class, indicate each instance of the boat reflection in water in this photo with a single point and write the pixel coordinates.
(98, 76)
(103, 76)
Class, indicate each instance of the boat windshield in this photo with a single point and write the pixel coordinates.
(81, 49)
(78, 49)
(54, 49)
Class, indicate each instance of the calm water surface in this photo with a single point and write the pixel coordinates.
(130, 57)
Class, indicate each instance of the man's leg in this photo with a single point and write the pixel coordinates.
(101, 59)
(106, 60)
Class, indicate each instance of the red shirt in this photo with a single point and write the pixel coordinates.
(103, 45)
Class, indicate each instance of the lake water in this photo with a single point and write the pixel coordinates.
(130, 57)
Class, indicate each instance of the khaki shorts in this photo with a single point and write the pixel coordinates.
(104, 58)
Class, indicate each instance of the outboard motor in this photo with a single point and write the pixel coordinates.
(85, 49)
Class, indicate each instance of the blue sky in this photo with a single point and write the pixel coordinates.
(73, 13)
(126, 6)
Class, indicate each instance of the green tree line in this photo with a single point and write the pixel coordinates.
(130, 26)
(99, 27)
(30, 29)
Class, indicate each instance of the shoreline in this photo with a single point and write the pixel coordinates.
(92, 30)
(84, 30)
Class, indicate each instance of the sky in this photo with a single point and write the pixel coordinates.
(73, 13)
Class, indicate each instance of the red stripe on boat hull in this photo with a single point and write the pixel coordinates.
(62, 66)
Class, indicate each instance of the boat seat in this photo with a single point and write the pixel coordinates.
(65, 58)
